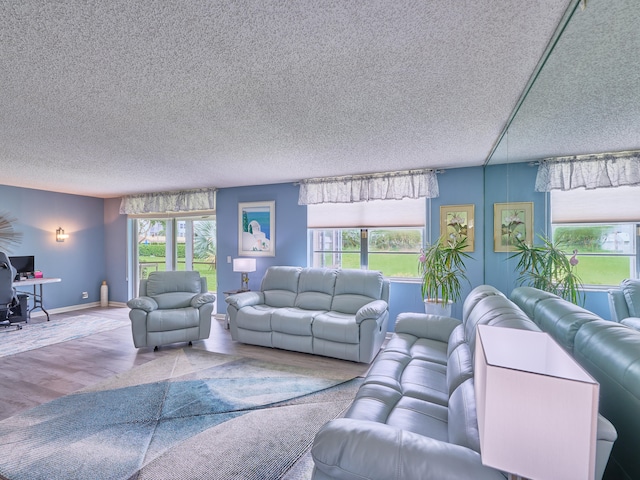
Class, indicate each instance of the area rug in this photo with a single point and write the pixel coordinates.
(188, 414)
(36, 335)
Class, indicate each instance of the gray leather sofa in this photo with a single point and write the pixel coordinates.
(624, 303)
(610, 352)
(330, 312)
(171, 307)
(414, 417)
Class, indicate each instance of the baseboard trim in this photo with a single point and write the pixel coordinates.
(73, 308)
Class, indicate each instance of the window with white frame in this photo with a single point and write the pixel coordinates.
(601, 228)
(384, 235)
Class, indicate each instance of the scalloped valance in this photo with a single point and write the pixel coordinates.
(362, 188)
(589, 171)
(184, 201)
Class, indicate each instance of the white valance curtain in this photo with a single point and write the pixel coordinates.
(589, 171)
(362, 188)
(199, 200)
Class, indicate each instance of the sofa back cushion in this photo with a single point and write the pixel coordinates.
(631, 290)
(355, 288)
(495, 310)
(167, 282)
(315, 288)
(562, 320)
(463, 419)
(280, 286)
(459, 367)
(477, 294)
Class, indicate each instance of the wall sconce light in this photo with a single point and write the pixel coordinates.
(244, 266)
(60, 235)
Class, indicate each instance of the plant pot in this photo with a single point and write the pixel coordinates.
(437, 308)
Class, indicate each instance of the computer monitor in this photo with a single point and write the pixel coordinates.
(24, 265)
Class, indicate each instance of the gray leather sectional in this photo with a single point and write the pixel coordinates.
(414, 417)
(331, 312)
(610, 352)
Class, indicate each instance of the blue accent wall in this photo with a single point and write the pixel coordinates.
(79, 260)
(291, 233)
(97, 247)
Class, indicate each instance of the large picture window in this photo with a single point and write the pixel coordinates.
(384, 235)
(601, 226)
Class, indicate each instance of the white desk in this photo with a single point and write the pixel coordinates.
(37, 296)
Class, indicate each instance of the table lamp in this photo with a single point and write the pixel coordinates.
(244, 266)
(537, 408)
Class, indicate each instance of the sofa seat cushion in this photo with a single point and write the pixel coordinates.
(293, 321)
(417, 347)
(422, 417)
(336, 327)
(256, 317)
(174, 319)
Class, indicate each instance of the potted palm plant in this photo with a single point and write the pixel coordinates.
(442, 269)
(547, 267)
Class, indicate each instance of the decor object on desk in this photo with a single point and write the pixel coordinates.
(547, 267)
(456, 221)
(244, 266)
(544, 428)
(512, 224)
(173, 306)
(256, 229)
(441, 266)
(60, 235)
(8, 236)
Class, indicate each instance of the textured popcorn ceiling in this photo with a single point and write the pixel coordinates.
(111, 97)
(587, 96)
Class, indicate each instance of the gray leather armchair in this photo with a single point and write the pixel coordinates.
(624, 303)
(172, 307)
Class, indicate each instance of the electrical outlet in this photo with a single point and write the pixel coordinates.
(229, 259)
(85, 294)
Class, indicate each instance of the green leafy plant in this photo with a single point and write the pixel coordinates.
(442, 269)
(547, 267)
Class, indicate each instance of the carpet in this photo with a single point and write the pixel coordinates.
(188, 414)
(36, 335)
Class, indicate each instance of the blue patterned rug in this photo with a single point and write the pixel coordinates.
(187, 414)
(36, 335)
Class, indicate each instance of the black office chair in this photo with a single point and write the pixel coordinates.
(11, 311)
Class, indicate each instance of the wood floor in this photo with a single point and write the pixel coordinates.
(37, 376)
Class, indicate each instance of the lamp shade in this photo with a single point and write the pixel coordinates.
(537, 408)
(244, 265)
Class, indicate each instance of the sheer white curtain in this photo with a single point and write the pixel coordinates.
(203, 199)
(589, 171)
(362, 188)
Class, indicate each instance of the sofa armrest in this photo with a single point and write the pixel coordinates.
(347, 449)
(372, 310)
(245, 299)
(147, 304)
(617, 305)
(434, 327)
(202, 299)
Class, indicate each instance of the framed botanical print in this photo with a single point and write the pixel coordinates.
(256, 229)
(512, 223)
(457, 222)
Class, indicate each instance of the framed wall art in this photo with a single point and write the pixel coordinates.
(456, 221)
(512, 223)
(257, 229)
